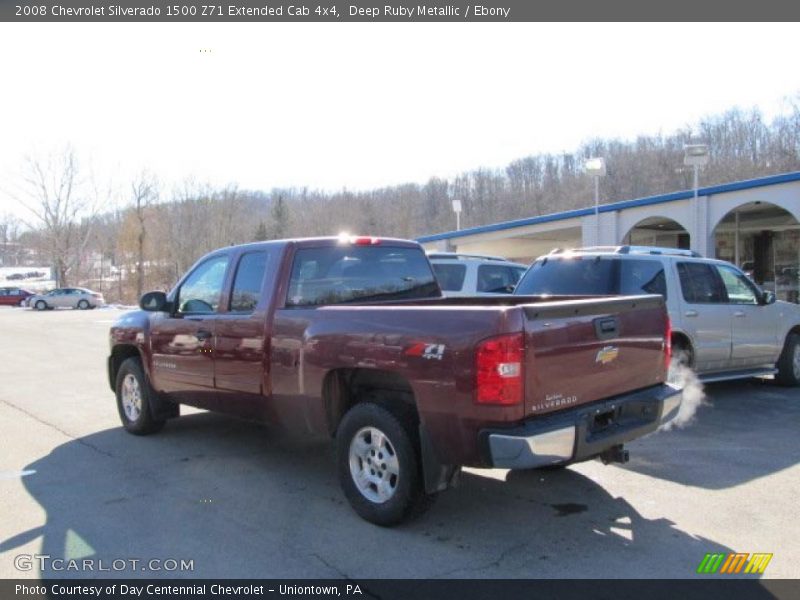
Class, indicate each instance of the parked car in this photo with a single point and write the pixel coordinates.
(67, 298)
(351, 338)
(12, 296)
(475, 275)
(723, 324)
(15, 277)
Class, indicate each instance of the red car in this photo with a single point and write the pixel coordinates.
(11, 296)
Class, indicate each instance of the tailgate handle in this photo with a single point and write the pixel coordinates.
(606, 328)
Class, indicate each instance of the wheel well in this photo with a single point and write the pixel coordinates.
(681, 339)
(118, 356)
(342, 388)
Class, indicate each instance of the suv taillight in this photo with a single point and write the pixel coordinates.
(498, 370)
(668, 344)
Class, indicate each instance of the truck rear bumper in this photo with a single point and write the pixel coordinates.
(581, 433)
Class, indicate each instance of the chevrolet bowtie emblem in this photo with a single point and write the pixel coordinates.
(607, 355)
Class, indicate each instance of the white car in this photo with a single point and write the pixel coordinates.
(67, 298)
(475, 275)
(723, 325)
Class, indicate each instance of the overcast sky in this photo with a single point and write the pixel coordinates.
(364, 105)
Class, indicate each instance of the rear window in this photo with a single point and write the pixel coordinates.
(450, 275)
(248, 281)
(594, 276)
(336, 275)
(498, 279)
(576, 276)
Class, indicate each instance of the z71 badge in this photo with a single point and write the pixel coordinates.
(426, 351)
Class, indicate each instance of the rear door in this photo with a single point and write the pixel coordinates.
(705, 314)
(584, 350)
(241, 368)
(183, 342)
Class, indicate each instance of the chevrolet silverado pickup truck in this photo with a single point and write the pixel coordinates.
(351, 337)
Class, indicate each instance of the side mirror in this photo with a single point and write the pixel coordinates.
(768, 298)
(154, 302)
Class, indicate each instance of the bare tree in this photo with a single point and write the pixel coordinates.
(144, 192)
(62, 206)
(9, 232)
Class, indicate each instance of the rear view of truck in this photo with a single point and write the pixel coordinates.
(591, 377)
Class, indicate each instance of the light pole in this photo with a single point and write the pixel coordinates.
(457, 210)
(596, 167)
(696, 156)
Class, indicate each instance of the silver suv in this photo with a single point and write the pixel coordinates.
(723, 325)
(475, 274)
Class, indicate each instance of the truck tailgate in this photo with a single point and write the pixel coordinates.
(584, 350)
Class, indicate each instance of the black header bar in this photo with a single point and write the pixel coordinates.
(402, 11)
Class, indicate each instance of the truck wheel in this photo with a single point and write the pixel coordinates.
(133, 399)
(379, 466)
(789, 362)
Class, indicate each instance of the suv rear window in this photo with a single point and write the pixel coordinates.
(594, 276)
(335, 275)
(450, 275)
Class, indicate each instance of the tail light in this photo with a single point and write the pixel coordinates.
(667, 344)
(498, 370)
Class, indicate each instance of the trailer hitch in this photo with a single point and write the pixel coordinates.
(615, 454)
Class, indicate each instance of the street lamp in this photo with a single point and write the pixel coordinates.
(596, 167)
(457, 210)
(696, 156)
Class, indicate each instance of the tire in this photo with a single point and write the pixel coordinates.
(40, 305)
(789, 362)
(83, 305)
(134, 395)
(372, 436)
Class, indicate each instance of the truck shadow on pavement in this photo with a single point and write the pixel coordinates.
(746, 430)
(243, 501)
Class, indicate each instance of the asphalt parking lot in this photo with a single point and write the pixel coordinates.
(243, 501)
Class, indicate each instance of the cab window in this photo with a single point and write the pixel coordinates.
(201, 291)
(249, 281)
(450, 275)
(739, 289)
(498, 279)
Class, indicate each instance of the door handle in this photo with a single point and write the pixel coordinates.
(739, 313)
(690, 313)
(202, 335)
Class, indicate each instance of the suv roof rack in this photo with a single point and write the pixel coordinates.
(631, 250)
(458, 255)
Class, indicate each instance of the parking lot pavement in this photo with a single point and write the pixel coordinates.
(241, 500)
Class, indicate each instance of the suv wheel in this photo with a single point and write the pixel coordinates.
(133, 399)
(40, 305)
(789, 362)
(378, 465)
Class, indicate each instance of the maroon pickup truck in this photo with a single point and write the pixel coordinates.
(350, 337)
